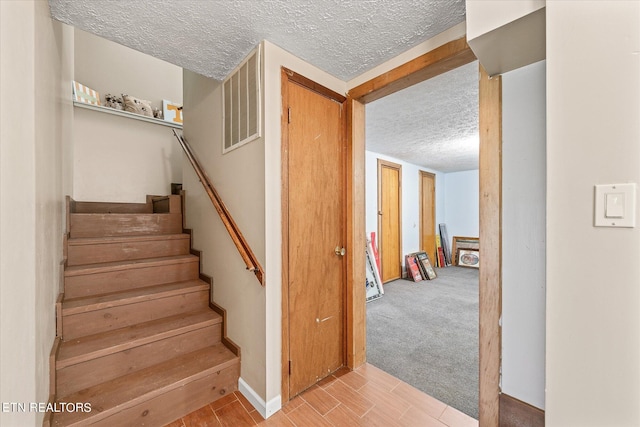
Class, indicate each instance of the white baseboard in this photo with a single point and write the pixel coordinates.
(266, 409)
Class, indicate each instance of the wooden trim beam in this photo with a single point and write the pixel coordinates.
(356, 239)
(294, 77)
(284, 119)
(490, 120)
(433, 63)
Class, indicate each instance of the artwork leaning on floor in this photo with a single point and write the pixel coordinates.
(425, 265)
(373, 283)
(463, 243)
(469, 258)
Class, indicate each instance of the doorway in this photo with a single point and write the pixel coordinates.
(313, 233)
(390, 219)
(442, 59)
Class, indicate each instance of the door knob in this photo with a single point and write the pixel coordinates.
(340, 251)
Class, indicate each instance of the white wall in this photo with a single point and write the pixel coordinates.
(36, 65)
(109, 67)
(117, 158)
(410, 199)
(593, 274)
(484, 16)
(238, 177)
(506, 35)
(523, 233)
(462, 203)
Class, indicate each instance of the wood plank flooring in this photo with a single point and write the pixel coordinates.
(367, 397)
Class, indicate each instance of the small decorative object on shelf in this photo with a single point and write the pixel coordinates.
(137, 106)
(157, 113)
(84, 94)
(113, 101)
(171, 111)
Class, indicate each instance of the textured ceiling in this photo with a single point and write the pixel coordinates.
(432, 124)
(343, 37)
(428, 124)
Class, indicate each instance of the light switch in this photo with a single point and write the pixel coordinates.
(615, 205)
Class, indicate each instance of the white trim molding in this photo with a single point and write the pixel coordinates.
(266, 409)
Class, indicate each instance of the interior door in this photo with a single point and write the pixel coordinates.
(316, 236)
(389, 220)
(428, 214)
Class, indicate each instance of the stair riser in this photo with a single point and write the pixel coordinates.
(170, 406)
(121, 280)
(110, 252)
(96, 371)
(111, 225)
(107, 207)
(97, 321)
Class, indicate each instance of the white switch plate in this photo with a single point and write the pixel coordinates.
(615, 205)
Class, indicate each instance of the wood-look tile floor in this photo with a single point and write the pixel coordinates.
(366, 397)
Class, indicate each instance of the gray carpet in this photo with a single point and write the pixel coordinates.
(426, 334)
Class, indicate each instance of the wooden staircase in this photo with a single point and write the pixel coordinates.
(138, 339)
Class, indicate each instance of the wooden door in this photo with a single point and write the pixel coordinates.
(428, 214)
(315, 161)
(389, 220)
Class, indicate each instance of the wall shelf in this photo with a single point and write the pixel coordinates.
(127, 114)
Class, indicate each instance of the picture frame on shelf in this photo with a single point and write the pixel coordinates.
(171, 112)
(84, 94)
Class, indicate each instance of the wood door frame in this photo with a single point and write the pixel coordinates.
(421, 175)
(398, 167)
(290, 77)
(447, 57)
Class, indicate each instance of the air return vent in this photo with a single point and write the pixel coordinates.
(242, 104)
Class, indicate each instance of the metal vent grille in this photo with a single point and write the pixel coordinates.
(241, 104)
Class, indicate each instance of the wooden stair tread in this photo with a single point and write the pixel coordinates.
(114, 299)
(79, 241)
(79, 270)
(92, 346)
(127, 391)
